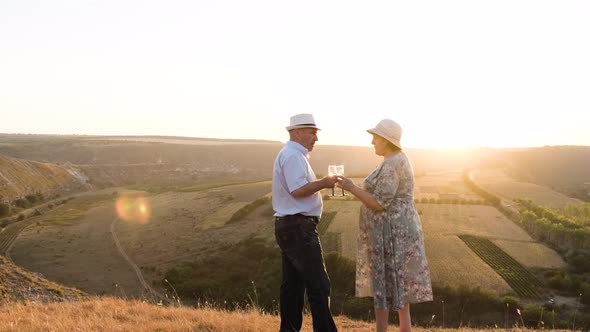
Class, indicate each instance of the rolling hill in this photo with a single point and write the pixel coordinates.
(19, 178)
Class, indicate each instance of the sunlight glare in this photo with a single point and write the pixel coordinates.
(134, 208)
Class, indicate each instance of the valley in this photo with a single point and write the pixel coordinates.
(128, 224)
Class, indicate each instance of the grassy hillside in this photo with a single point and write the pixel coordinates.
(17, 284)
(110, 314)
(500, 183)
(184, 225)
(19, 178)
(552, 165)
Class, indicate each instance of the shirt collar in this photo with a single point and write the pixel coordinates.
(298, 147)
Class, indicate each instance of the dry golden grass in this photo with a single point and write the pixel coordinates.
(17, 284)
(109, 314)
(498, 183)
(21, 175)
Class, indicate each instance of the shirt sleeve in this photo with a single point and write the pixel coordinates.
(295, 171)
(386, 185)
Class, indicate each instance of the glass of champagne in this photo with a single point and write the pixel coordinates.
(332, 170)
(340, 171)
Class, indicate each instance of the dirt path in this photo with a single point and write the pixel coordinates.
(75, 248)
(134, 266)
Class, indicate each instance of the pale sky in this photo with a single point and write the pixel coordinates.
(452, 73)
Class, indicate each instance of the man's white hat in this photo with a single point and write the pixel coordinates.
(303, 120)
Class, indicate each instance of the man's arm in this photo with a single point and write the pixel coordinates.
(314, 186)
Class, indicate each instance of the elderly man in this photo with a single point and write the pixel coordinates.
(297, 203)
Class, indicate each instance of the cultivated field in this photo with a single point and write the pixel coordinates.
(442, 185)
(344, 223)
(451, 261)
(497, 182)
(531, 254)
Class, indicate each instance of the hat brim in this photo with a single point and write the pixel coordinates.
(391, 140)
(289, 128)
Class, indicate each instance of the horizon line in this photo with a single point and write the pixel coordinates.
(269, 141)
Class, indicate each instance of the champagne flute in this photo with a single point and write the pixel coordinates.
(340, 171)
(332, 170)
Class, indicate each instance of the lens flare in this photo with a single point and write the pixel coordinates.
(133, 209)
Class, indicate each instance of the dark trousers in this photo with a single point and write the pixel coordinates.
(303, 270)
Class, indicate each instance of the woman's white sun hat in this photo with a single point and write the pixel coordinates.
(303, 120)
(390, 130)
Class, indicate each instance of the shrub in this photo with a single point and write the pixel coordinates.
(358, 308)
(585, 293)
(510, 301)
(21, 203)
(4, 209)
(579, 263)
(532, 314)
(342, 273)
(31, 198)
(250, 274)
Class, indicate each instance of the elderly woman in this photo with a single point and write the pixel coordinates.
(391, 260)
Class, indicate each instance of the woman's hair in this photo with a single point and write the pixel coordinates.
(393, 147)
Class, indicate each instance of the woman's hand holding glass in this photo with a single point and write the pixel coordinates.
(345, 183)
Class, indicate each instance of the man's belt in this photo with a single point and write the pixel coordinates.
(295, 217)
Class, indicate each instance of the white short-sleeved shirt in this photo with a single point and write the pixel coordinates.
(292, 171)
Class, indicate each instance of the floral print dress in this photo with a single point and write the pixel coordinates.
(391, 260)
